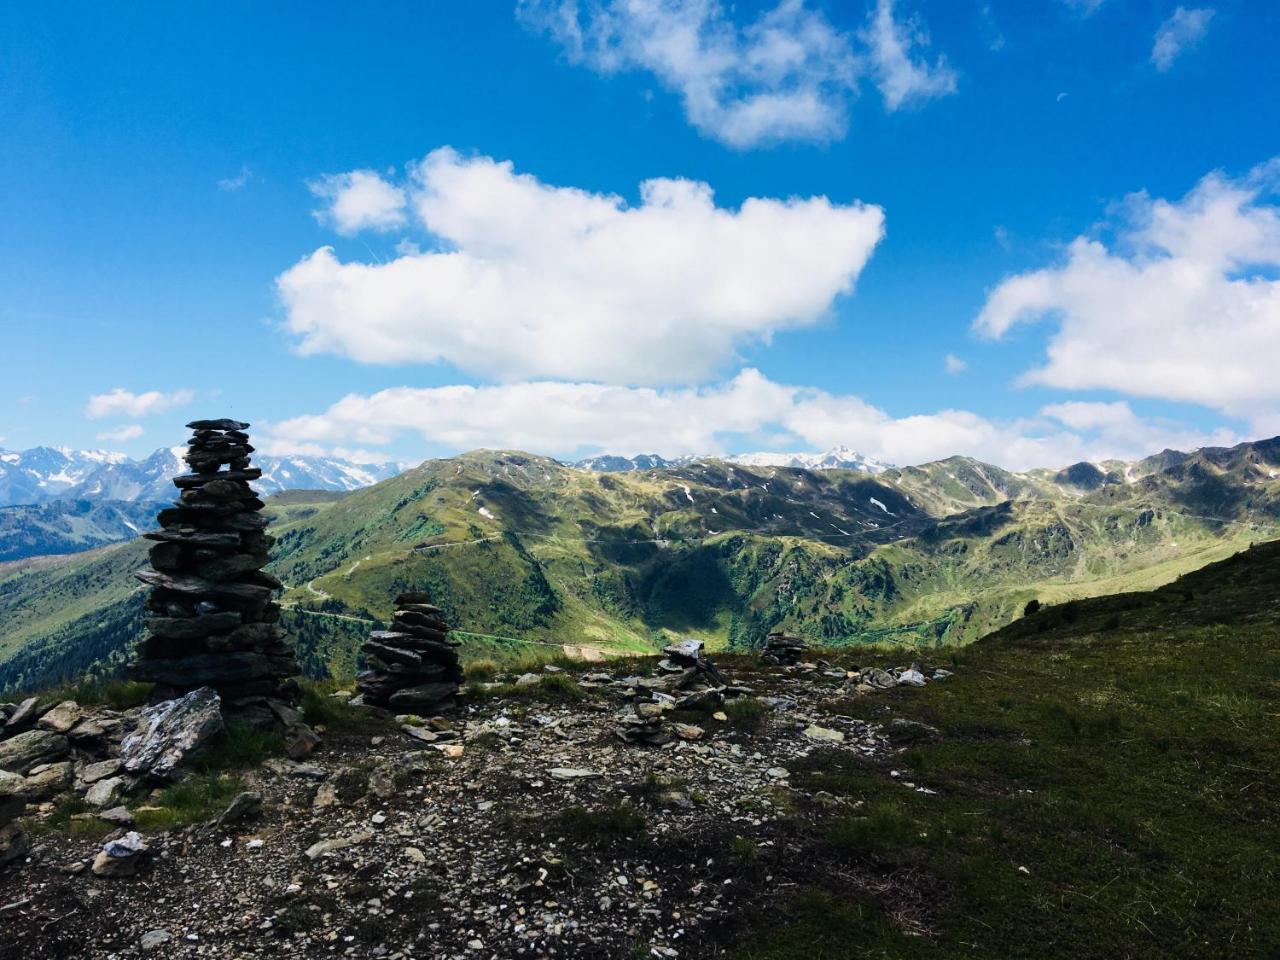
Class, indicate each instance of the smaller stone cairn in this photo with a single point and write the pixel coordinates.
(213, 622)
(783, 649)
(643, 725)
(413, 666)
(686, 659)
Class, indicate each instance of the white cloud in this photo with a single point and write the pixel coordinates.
(121, 434)
(359, 200)
(121, 403)
(955, 364)
(576, 419)
(1185, 28)
(232, 184)
(787, 75)
(543, 281)
(1183, 305)
(901, 78)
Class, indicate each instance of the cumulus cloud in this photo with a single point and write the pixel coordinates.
(787, 75)
(121, 434)
(121, 403)
(902, 78)
(532, 280)
(359, 200)
(1115, 427)
(954, 364)
(1185, 28)
(577, 419)
(1183, 304)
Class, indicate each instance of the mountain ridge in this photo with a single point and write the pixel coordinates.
(43, 474)
(520, 546)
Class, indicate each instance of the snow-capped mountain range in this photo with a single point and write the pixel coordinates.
(42, 474)
(837, 458)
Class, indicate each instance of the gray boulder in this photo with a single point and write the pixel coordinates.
(30, 749)
(171, 733)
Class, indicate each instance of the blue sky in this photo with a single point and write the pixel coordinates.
(918, 174)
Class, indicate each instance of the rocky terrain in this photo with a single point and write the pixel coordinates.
(520, 825)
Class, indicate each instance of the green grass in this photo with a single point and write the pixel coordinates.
(746, 713)
(195, 799)
(550, 688)
(320, 708)
(612, 826)
(1102, 790)
(116, 694)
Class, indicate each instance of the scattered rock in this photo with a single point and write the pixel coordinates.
(32, 748)
(93, 772)
(172, 732)
(61, 718)
(154, 940)
(335, 844)
(823, 734)
(245, 805)
(120, 816)
(119, 858)
(105, 792)
(572, 773)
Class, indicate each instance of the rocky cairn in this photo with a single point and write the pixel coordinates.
(413, 666)
(690, 681)
(782, 649)
(212, 619)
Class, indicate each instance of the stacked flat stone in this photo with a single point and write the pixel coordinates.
(643, 725)
(212, 621)
(782, 649)
(686, 658)
(414, 665)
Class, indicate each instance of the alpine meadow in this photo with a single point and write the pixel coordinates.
(774, 480)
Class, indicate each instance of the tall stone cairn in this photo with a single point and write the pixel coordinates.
(414, 665)
(212, 619)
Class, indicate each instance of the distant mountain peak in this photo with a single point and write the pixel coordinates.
(837, 458)
(43, 474)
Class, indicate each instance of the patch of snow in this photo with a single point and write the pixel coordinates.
(877, 503)
(487, 513)
(687, 492)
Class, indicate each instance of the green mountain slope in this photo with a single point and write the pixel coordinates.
(1099, 781)
(69, 526)
(518, 546)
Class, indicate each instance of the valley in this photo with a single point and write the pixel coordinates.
(524, 552)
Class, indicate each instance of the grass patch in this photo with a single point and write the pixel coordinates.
(746, 714)
(550, 688)
(1103, 789)
(194, 800)
(66, 818)
(481, 671)
(320, 708)
(825, 927)
(611, 826)
(883, 829)
(116, 694)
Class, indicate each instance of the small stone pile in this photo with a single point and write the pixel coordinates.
(213, 622)
(414, 665)
(782, 649)
(686, 659)
(642, 725)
